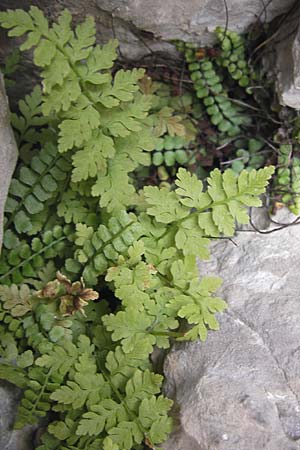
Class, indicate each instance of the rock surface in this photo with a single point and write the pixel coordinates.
(12, 440)
(193, 20)
(288, 61)
(8, 152)
(240, 390)
(140, 25)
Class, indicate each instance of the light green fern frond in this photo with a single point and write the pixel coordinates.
(92, 108)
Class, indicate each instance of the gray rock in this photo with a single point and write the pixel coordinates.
(240, 389)
(288, 61)
(8, 152)
(9, 439)
(193, 20)
(144, 25)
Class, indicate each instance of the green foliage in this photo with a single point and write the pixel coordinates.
(100, 116)
(217, 209)
(35, 188)
(28, 125)
(76, 208)
(233, 56)
(287, 181)
(109, 395)
(21, 259)
(171, 151)
(17, 300)
(10, 66)
(224, 114)
(172, 120)
(249, 154)
(97, 249)
(82, 354)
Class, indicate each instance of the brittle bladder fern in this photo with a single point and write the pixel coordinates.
(71, 209)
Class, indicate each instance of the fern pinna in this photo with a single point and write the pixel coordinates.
(94, 273)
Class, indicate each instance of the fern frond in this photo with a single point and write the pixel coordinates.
(93, 109)
(47, 375)
(87, 387)
(96, 250)
(77, 209)
(233, 56)
(20, 260)
(121, 366)
(35, 403)
(34, 189)
(28, 122)
(145, 315)
(194, 302)
(225, 200)
(104, 415)
(16, 300)
(13, 375)
(105, 400)
(128, 327)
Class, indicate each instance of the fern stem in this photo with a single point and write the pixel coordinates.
(43, 388)
(171, 334)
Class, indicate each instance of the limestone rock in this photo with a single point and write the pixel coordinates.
(240, 390)
(142, 25)
(288, 61)
(193, 20)
(8, 152)
(12, 440)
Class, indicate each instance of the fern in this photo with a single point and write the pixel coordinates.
(30, 125)
(21, 260)
(34, 189)
(77, 208)
(96, 250)
(217, 209)
(172, 124)
(113, 400)
(17, 300)
(287, 183)
(233, 56)
(82, 354)
(250, 154)
(211, 89)
(95, 112)
(112, 406)
(11, 64)
(222, 112)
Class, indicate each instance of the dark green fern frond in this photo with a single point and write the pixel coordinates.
(36, 187)
(20, 260)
